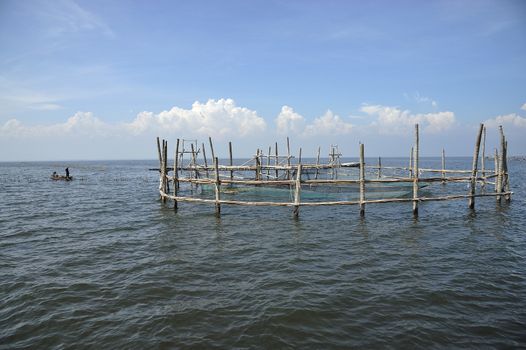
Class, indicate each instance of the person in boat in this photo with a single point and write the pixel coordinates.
(67, 173)
(54, 174)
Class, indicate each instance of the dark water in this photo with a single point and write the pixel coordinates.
(99, 263)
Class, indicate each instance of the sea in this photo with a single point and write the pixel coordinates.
(101, 263)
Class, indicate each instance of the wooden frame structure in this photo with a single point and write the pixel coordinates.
(283, 169)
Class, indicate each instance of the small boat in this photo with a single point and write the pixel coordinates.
(61, 177)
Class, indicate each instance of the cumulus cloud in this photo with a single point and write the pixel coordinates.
(215, 118)
(395, 120)
(289, 122)
(523, 107)
(82, 123)
(508, 119)
(328, 124)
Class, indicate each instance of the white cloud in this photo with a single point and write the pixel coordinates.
(82, 123)
(328, 124)
(508, 119)
(523, 107)
(289, 122)
(214, 118)
(392, 120)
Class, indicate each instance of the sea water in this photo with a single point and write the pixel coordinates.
(100, 262)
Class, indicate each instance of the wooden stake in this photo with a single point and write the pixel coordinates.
(299, 157)
(217, 188)
(411, 163)
(483, 160)
(415, 172)
(507, 196)
(443, 166)
(277, 161)
(268, 161)
(288, 158)
(258, 165)
(231, 161)
(204, 158)
(473, 183)
(496, 171)
(194, 162)
(212, 148)
(317, 162)
(176, 173)
(297, 193)
(362, 181)
(379, 167)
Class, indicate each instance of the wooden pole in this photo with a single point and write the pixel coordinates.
(217, 188)
(379, 167)
(415, 172)
(443, 166)
(299, 157)
(231, 160)
(317, 162)
(473, 182)
(159, 152)
(483, 160)
(297, 193)
(277, 161)
(176, 173)
(411, 163)
(362, 181)
(288, 158)
(204, 157)
(268, 161)
(496, 171)
(212, 148)
(507, 196)
(194, 162)
(258, 165)
(165, 162)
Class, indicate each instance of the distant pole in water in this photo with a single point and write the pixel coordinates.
(379, 167)
(231, 160)
(473, 182)
(443, 166)
(483, 159)
(362, 181)
(415, 173)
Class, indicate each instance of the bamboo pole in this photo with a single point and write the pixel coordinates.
(258, 165)
(379, 167)
(415, 172)
(288, 158)
(212, 148)
(411, 163)
(231, 161)
(194, 162)
(504, 165)
(496, 170)
(483, 160)
(313, 204)
(268, 162)
(217, 188)
(165, 161)
(362, 181)
(317, 162)
(500, 177)
(299, 156)
(297, 193)
(204, 158)
(443, 166)
(277, 161)
(507, 183)
(160, 166)
(473, 183)
(176, 173)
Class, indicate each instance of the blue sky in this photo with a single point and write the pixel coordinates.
(99, 79)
